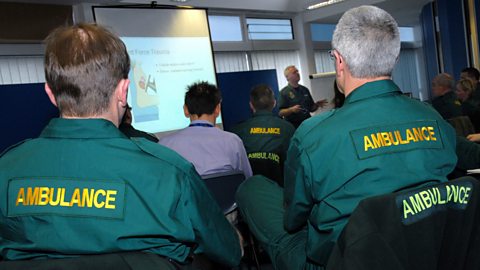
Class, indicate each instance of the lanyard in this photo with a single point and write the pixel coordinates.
(200, 125)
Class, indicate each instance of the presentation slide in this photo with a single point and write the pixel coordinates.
(169, 49)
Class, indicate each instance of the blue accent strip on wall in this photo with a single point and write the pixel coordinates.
(429, 43)
(453, 36)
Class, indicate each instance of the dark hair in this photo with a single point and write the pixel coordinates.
(339, 97)
(83, 65)
(202, 98)
(472, 73)
(262, 97)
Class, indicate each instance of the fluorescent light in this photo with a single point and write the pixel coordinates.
(322, 4)
(182, 1)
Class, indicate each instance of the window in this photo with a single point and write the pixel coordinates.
(277, 60)
(323, 62)
(322, 32)
(406, 34)
(269, 29)
(225, 28)
(230, 61)
(21, 69)
(260, 60)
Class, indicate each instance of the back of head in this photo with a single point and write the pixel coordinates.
(443, 80)
(466, 85)
(83, 65)
(472, 73)
(367, 37)
(202, 98)
(262, 97)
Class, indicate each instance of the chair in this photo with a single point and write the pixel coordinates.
(433, 227)
(223, 186)
(114, 261)
(268, 168)
(463, 125)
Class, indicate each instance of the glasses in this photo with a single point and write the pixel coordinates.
(332, 55)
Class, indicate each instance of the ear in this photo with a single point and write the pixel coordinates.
(251, 106)
(339, 62)
(50, 95)
(185, 111)
(121, 91)
(217, 109)
(274, 103)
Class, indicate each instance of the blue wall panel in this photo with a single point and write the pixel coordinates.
(25, 112)
(235, 88)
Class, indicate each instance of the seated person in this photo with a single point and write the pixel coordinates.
(84, 188)
(445, 101)
(338, 96)
(210, 149)
(470, 107)
(266, 137)
(473, 75)
(474, 137)
(127, 128)
(340, 157)
(468, 154)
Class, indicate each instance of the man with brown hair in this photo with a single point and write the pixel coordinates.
(84, 188)
(445, 101)
(266, 136)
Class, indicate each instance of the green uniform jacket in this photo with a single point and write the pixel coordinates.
(468, 154)
(379, 142)
(266, 137)
(448, 105)
(83, 187)
(265, 132)
(290, 96)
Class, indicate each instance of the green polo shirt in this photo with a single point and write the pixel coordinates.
(379, 142)
(290, 96)
(265, 132)
(448, 105)
(82, 187)
(266, 138)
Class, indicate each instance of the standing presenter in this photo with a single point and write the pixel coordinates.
(295, 101)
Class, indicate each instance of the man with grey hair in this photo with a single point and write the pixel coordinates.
(379, 142)
(445, 101)
(295, 101)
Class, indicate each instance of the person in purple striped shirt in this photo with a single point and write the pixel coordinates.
(210, 149)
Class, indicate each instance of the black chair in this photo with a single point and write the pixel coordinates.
(223, 186)
(463, 125)
(433, 227)
(115, 261)
(268, 168)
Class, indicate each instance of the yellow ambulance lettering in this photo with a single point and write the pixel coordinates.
(264, 155)
(42, 196)
(389, 139)
(426, 199)
(260, 130)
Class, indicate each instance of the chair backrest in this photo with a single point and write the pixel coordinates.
(433, 227)
(113, 261)
(268, 168)
(223, 187)
(462, 125)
